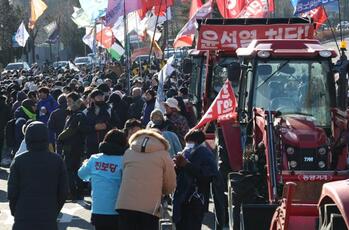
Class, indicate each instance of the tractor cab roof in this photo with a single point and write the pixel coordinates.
(289, 48)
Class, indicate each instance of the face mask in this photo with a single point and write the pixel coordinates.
(157, 122)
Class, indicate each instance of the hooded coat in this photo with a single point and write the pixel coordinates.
(57, 119)
(33, 205)
(104, 171)
(148, 173)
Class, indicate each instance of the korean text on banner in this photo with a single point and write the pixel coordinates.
(213, 37)
(307, 5)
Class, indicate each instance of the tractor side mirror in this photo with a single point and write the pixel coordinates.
(234, 71)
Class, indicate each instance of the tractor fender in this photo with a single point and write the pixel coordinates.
(336, 193)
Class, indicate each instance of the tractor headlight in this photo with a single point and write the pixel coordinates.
(322, 151)
(263, 54)
(322, 164)
(325, 53)
(293, 164)
(290, 150)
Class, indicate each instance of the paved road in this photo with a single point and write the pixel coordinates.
(72, 217)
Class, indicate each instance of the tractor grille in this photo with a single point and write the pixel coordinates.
(307, 159)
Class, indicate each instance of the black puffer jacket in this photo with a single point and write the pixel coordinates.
(37, 184)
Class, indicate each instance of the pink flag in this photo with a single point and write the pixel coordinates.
(116, 9)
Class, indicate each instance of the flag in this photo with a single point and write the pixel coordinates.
(116, 51)
(245, 8)
(222, 108)
(116, 9)
(105, 37)
(304, 6)
(52, 32)
(148, 5)
(133, 20)
(94, 8)
(166, 71)
(73, 67)
(88, 39)
(185, 37)
(37, 8)
(80, 18)
(195, 5)
(318, 15)
(21, 35)
(157, 50)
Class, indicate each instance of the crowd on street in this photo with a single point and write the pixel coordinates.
(66, 134)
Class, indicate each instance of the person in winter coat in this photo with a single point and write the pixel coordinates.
(119, 110)
(104, 171)
(157, 121)
(23, 148)
(26, 110)
(179, 121)
(46, 105)
(32, 206)
(196, 169)
(136, 107)
(131, 127)
(148, 174)
(72, 139)
(150, 98)
(57, 120)
(5, 116)
(21, 96)
(22, 115)
(98, 120)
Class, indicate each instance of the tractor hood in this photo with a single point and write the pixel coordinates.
(300, 131)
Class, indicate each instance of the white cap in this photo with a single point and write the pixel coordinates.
(172, 103)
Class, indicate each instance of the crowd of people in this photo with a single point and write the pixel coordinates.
(65, 128)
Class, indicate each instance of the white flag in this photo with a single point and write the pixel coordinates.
(21, 35)
(166, 71)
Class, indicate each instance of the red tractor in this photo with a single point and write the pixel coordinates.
(291, 134)
(293, 120)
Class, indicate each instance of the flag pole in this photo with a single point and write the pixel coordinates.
(156, 24)
(127, 54)
(340, 20)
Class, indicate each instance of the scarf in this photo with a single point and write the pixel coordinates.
(31, 115)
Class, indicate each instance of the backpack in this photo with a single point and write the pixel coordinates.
(10, 135)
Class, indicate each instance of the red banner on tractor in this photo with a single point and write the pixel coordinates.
(223, 37)
(222, 108)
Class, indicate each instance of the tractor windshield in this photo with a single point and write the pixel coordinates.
(294, 87)
(221, 74)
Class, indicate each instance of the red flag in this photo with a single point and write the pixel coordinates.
(149, 4)
(222, 108)
(185, 37)
(105, 37)
(318, 15)
(245, 8)
(195, 5)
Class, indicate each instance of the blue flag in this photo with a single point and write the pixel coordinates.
(304, 6)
